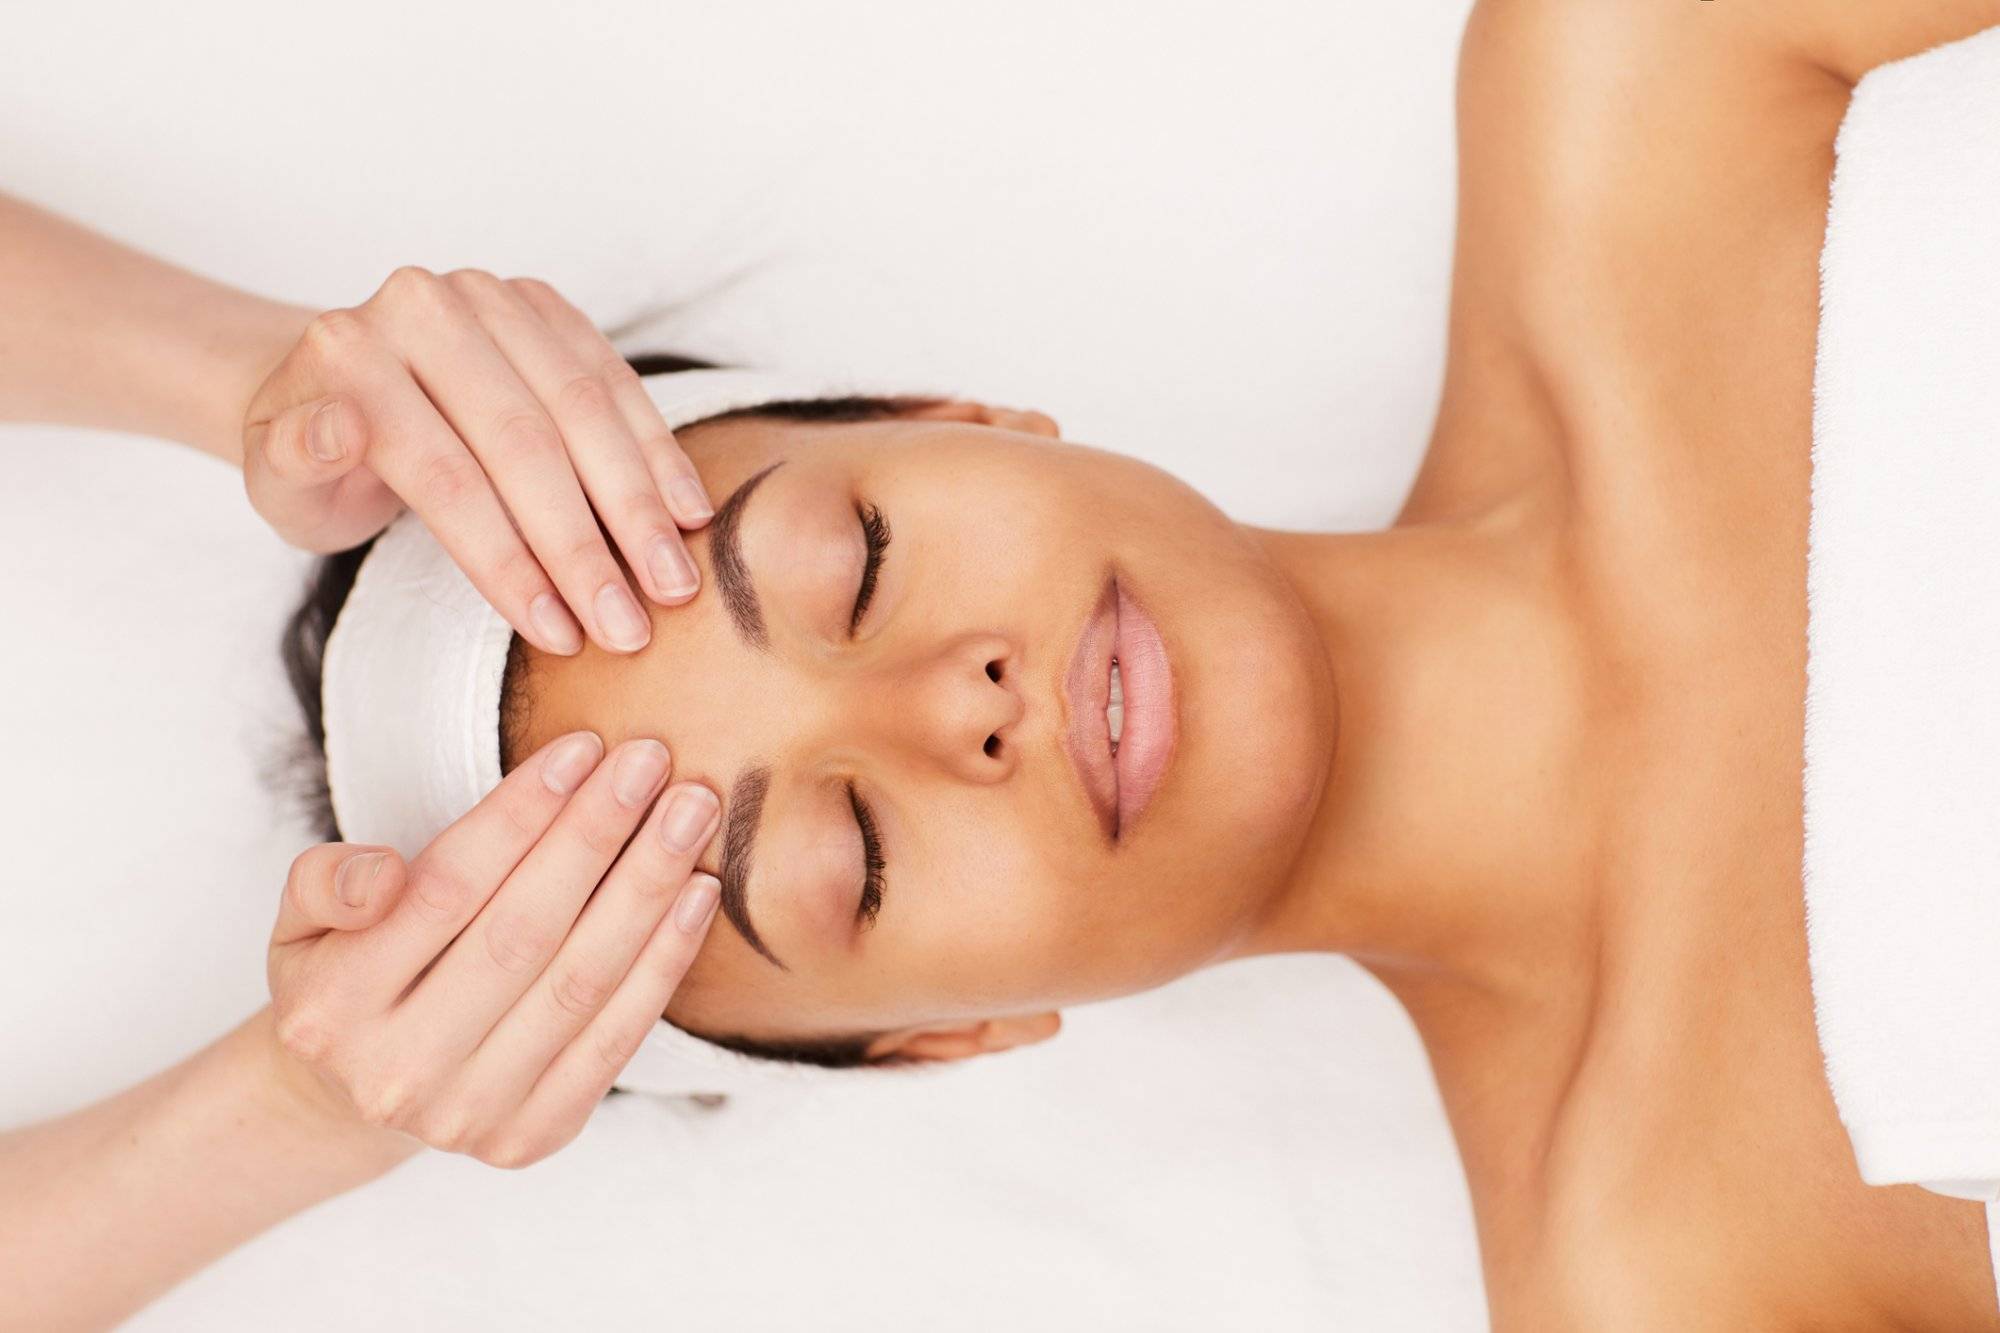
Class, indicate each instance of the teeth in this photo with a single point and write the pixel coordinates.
(1114, 712)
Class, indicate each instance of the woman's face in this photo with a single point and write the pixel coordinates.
(949, 711)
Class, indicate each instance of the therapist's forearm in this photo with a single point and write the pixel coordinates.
(93, 333)
(103, 1210)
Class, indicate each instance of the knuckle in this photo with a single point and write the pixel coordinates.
(656, 874)
(642, 511)
(522, 821)
(584, 396)
(663, 446)
(511, 1154)
(332, 334)
(449, 480)
(533, 289)
(575, 992)
(305, 1032)
(617, 371)
(517, 568)
(519, 944)
(437, 893)
(670, 965)
(472, 281)
(450, 1129)
(412, 283)
(587, 548)
(612, 1051)
(526, 436)
(605, 835)
(387, 1100)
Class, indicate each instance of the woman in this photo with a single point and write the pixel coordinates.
(1531, 755)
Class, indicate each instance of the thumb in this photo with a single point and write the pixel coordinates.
(303, 472)
(312, 443)
(337, 886)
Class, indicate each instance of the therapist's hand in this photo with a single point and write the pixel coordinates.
(482, 999)
(476, 401)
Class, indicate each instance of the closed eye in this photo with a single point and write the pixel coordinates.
(875, 533)
(872, 864)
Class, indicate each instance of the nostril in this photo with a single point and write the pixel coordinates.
(992, 747)
(992, 671)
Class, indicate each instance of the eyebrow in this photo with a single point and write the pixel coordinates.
(739, 835)
(732, 576)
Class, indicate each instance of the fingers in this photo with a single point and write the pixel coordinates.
(510, 425)
(302, 471)
(535, 440)
(648, 886)
(590, 391)
(568, 1092)
(337, 886)
(529, 998)
(453, 878)
(513, 937)
(434, 473)
(677, 478)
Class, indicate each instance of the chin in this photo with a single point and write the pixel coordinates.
(1274, 734)
(1255, 746)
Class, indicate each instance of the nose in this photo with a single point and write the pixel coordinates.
(958, 707)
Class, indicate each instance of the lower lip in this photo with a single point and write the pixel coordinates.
(1146, 742)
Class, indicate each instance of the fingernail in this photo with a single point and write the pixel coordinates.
(689, 498)
(619, 616)
(698, 902)
(673, 572)
(571, 761)
(322, 437)
(689, 814)
(639, 771)
(356, 876)
(555, 624)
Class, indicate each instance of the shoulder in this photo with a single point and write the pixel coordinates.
(1587, 124)
(1835, 39)
(1625, 168)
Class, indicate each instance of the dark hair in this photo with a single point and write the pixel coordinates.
(303, 649)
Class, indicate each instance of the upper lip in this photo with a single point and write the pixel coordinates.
(1086, 691)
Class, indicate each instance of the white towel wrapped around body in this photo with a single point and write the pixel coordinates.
(1902, 736)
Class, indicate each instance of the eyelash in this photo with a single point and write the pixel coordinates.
(871, 858)
(875, 531)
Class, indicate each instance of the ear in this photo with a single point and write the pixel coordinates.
(960, 1041)
(979, 414)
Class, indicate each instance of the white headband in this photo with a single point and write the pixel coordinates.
(410, 699)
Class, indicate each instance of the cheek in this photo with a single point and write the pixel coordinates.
(986, 916)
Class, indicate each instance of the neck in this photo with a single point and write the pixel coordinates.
(1452, 844)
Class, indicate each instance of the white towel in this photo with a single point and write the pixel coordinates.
(1902, 736)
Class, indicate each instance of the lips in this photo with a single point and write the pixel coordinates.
(1119, 786)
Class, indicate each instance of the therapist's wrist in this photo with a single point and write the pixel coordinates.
(243, 339)
(288, 1105)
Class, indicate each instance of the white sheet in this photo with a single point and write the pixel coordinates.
(1093, 210)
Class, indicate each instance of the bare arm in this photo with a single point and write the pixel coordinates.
(93, 333)
(106, 1208)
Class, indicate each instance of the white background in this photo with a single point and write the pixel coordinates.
(1217, 236)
